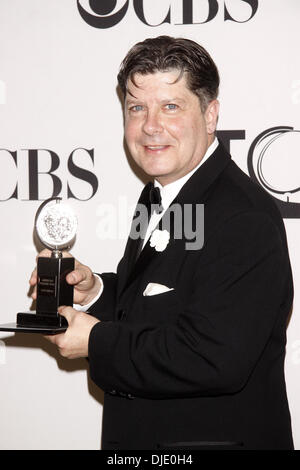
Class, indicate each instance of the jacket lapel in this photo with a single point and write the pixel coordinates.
(134, 244)
(193, 192)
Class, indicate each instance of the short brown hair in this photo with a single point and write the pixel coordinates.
(165, 53)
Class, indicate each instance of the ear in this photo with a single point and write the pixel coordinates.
(211, 116)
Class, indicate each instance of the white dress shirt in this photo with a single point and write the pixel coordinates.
(168, 194)
(170, 191)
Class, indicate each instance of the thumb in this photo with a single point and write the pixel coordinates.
(67, 312)
(79, 275)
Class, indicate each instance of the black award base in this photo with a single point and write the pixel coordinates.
(42, 329)
(52, 291)
(30, 322)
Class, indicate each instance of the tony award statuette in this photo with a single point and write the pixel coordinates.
(56, 226)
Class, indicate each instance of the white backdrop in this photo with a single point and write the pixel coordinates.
(59, 106)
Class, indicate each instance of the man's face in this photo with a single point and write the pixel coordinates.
(166, 132)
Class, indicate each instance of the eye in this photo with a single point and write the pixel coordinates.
(171, 106)
(136, 108)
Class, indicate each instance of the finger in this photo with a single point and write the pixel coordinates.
(81, 274)
(67, 312)
(75, 277)
(34, 294)
(33, 278)
(33, 282)
(55, 339)
(44, 254)
(50, 338)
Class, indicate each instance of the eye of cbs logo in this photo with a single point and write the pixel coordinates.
(104, 14)
(273, 162)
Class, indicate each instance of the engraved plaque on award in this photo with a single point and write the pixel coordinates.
(56, 226)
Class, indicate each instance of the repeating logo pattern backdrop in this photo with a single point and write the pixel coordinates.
(62, 135)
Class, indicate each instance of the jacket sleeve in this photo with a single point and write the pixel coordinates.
(104, 307)
(219, 336)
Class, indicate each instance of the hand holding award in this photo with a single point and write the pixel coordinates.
(56, 226)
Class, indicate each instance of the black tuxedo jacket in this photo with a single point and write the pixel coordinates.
(200, 366)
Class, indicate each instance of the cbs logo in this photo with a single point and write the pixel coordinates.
(104, 14)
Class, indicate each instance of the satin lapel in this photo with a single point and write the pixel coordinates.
(133, 244)
(193, 192)
(148, 254)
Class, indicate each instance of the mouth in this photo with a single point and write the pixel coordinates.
(156, 148)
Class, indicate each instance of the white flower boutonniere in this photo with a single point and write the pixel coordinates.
(159, 239)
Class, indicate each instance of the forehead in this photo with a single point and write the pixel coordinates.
(164, 82)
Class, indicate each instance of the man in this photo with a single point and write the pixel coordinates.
(187, 341)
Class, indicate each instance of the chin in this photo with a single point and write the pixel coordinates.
(156, 168)
(156, 173)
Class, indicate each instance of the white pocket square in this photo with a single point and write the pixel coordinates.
(154, 289)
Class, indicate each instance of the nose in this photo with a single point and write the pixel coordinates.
(153, 123)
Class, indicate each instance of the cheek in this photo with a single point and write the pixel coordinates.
(130, 133)
(177, 129)
(183, 135)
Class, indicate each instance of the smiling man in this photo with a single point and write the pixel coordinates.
(165, 130)
(188, 344)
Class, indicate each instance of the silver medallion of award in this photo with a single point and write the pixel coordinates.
(56, 226)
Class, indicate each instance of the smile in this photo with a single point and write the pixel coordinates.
(156, 148)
